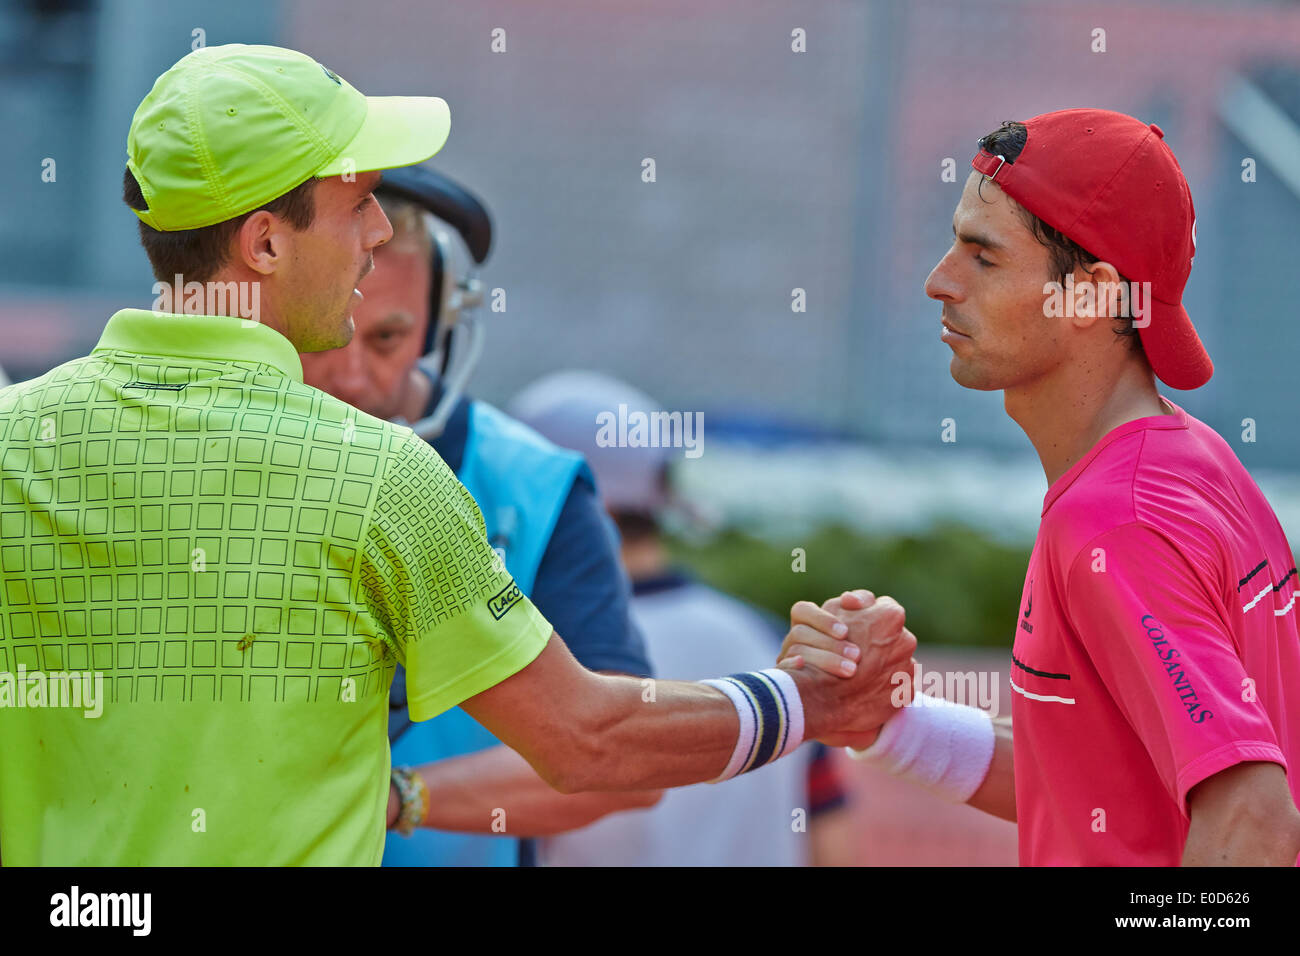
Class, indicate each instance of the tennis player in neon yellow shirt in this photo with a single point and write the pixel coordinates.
(210, 569)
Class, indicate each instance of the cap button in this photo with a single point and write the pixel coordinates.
(1157, 130)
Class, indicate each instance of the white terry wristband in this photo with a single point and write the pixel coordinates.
(771, 718)
(944, 747)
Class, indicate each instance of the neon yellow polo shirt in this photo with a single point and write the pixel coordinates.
(209, 570)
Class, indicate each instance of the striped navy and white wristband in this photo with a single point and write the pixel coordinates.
(771, 718)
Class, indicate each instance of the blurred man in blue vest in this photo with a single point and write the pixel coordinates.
(415, 346)
(792, 813)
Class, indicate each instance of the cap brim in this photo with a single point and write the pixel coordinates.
(397, 131)
(1174, 349)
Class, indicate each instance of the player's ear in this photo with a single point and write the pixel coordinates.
(1112, 297)
(261, 243)
(1100, 272)
(1098, 293)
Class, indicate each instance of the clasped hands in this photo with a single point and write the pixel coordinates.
(862, 640)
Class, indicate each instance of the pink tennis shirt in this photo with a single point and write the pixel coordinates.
(1156, 645)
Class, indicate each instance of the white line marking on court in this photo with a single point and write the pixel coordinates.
(1058, 700)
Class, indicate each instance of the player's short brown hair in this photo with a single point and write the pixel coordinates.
(198, 254)
(1064, 255)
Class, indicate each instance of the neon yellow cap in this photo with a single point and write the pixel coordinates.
(229, 128)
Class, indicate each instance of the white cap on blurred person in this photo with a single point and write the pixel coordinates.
(569, 408)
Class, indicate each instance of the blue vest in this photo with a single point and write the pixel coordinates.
(521, 482)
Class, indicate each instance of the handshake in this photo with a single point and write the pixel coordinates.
(852, 661)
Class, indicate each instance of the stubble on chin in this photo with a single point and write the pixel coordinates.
(320, 339)
(968, 376)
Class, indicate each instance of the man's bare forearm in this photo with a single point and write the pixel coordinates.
(997, 794)
(1243, 816)
(583, 731)
(685, 735)
(496, 791)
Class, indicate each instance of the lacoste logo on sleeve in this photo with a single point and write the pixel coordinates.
(504, 600)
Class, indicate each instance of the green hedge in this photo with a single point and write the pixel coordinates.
(958, 586)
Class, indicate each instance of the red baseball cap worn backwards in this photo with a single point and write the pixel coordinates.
(1110, 183)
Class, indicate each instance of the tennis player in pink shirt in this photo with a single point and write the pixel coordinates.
(1156, 661)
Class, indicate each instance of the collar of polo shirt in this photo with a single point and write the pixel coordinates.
(220, 337)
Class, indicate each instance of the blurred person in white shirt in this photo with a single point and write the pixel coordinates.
(790, 813)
